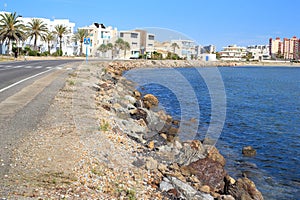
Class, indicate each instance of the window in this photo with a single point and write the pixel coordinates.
(134, 35)
(151, 37)
(121, 34)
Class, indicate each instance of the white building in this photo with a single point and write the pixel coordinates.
(98, 34)
(259, 52)
(67, 44)
(187, 48)
(233, 53)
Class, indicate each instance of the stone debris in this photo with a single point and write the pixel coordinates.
(102, 139)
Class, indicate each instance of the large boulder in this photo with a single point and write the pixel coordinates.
(209, 172)
(150, 101)
(244, 189)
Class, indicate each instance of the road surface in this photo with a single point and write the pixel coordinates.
(26, 91)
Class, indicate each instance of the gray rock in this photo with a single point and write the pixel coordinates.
(188, 191)
(165, 185)
(151, 164)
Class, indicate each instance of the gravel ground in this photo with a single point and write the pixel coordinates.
(68, 157)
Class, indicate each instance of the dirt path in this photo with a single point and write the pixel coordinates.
(69, 157)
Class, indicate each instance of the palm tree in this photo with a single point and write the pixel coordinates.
(126, 46)
(35, 29)
(49, 37)
(11, 29)
(103, 48)
(79, 36)
(119, 43)
(60, 30)
(174, 46)
(110, 47)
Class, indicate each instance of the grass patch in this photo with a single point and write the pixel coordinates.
(104, 126)
(71, 82)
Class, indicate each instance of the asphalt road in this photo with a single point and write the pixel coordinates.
(26, 91)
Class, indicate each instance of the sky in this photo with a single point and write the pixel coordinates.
(216, 22)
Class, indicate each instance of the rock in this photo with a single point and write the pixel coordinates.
(165, 185)
(205, 189)
(139, 114)
(188, 191)
(188, 154)
(137, 95)
(131, 99)
(249, 151)
(150, 101)
(209, 172)
(244, 189)
(214, 154)
(151, 164)
(226, 197)
(151, 145)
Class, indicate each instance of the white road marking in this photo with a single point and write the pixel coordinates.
(21, 81)
(28, 67)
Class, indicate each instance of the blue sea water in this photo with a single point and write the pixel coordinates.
(262, 110)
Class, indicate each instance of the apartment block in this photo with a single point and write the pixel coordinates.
(98, 34)
(291, 48)
(141, 42)
(233, 53)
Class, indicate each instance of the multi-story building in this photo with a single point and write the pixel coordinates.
(275, 47)
(290, 48)
(141, 42)
(233, 53)
(67, 43)
(186, 48)
(259, 52)
(98, 34)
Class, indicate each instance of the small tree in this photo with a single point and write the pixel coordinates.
(49, 37)
(60, 31)
(79, 36)
(174, 46)
(103, 48)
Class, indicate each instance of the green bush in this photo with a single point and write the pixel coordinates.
(33, 53)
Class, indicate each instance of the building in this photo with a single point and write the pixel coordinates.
(98, 34)
(259, 52)
(140, 41)
(67, 43)
(186, 48)
(290, 48)
(233, 53)
(275, 47)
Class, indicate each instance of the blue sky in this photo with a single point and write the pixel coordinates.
(218, 22)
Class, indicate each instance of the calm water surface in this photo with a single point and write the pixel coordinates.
(263, 110)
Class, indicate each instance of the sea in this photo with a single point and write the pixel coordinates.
(234, 107)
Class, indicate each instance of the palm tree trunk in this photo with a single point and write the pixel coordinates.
(81, 46)
(49, 47)
(34, 44)
(60, 45)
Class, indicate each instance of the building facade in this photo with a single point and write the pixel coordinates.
(275, 47)
(67, 43)
(98, 34)
(233, 53)
(259, 52)
(140, 41)
(290, 48)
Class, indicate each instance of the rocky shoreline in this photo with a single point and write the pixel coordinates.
(102, 139)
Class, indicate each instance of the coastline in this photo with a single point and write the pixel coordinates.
(118, 147)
